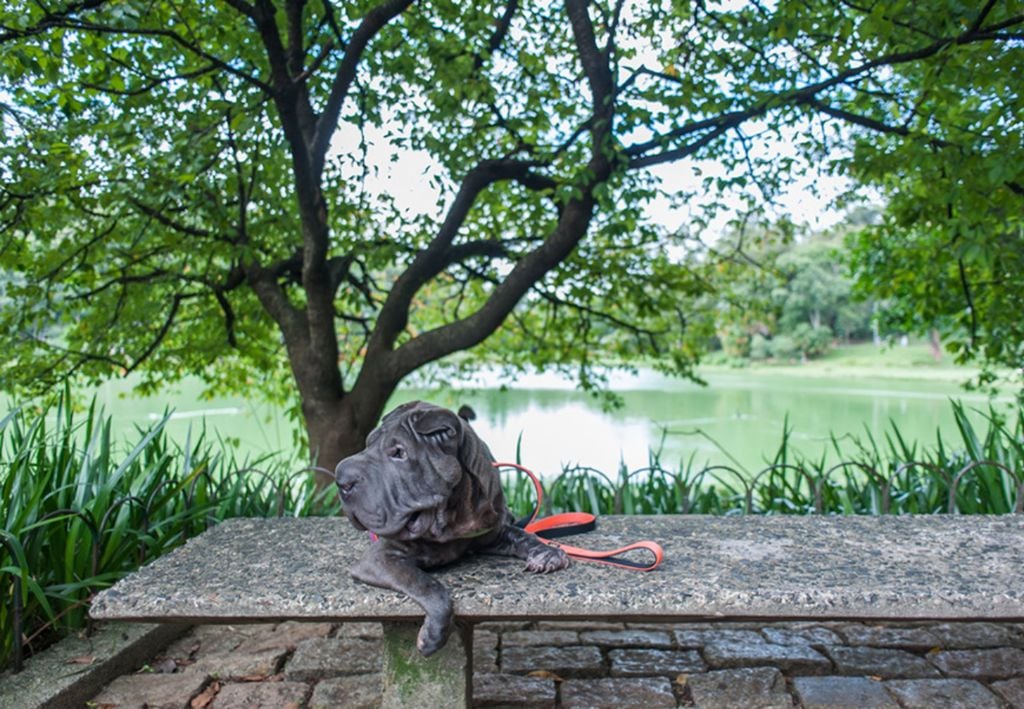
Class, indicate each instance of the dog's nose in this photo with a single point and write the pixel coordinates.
(346, 475)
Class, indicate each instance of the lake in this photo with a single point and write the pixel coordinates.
(737, 419)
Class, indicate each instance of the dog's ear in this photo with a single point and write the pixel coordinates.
(400, 410)
(440, 426)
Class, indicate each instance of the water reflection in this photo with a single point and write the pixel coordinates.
(738, 418)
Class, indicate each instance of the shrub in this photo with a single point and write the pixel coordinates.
(735, 341)
(784, 347)
(760, 347)
(812, 341)
(78, 511)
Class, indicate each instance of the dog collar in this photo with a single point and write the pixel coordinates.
(473, 535)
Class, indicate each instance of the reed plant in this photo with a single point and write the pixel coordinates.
(982, 472)
(79, 510)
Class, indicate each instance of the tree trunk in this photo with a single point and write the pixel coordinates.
(337, 426)
(935, 343)
(333, 434)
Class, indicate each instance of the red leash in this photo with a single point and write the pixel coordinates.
(567, 523)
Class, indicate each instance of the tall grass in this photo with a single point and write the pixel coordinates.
(980, 473)
(78, 510)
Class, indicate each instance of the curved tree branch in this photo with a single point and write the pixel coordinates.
(384, 366)
(327, 123)
(394, 314)
(804, 95)
(229, 316)
(167, 34)
(49, 20)
(160, 335)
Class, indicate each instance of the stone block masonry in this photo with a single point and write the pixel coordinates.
(571, 664)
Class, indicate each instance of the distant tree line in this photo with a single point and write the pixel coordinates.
(782, 296)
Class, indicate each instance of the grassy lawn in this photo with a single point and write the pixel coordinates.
(867, 361)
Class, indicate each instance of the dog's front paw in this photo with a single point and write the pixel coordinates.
(545, 558)
(433, 635)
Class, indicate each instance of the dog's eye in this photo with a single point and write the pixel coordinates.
(397, 452)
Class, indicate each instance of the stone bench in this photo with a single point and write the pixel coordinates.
(942, 568)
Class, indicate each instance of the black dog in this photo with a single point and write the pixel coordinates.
(425, 485)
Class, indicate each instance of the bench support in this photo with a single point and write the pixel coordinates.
(445, 679)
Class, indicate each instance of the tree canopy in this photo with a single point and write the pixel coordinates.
(784, 294)
(188, 185)
(949, 252)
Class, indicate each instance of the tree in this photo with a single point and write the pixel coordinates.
(786, 283)
(961, 281)
(947, 257)
(172, 204)
(816, 288)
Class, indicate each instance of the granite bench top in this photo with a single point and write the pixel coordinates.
(935, 567)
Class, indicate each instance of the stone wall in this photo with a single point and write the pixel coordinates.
(573, 664)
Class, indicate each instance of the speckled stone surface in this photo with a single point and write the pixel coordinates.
(72, 671)
(911, 567)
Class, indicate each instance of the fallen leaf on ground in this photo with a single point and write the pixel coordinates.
(203, 699)
(82, 660)
(544, 674)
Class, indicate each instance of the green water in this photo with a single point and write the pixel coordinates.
(738, 418)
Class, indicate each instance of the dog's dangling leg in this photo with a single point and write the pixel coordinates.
(379, 568)
(442, 680)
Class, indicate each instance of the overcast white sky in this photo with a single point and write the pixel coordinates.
(407, 178)
(808, 201)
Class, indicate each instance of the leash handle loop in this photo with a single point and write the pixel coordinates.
(613, 556)
(568, 523)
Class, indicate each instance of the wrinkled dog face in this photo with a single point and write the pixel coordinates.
(426, 485)
(398, 486)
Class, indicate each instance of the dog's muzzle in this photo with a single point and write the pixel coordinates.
(347, 478)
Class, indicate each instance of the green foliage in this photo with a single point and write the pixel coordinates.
(735, 341)
(926, 278)
(949, 252)
(782, 295)
(814, 286)
(169, 205)
(760, 347)
(812, 341)
(784, 348)
(81, 510)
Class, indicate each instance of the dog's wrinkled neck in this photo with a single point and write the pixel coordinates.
(469, 512)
